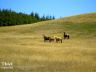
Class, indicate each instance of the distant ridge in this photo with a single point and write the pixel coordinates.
(82, 18)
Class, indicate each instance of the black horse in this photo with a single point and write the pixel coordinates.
(66, 35)
(46, 38)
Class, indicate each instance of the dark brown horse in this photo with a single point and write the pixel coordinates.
(66, 35)
(46, 38)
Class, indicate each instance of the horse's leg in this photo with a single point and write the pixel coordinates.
(56, 41)
(49, 39)
(68, 36)
(61, 40)
(64, 36)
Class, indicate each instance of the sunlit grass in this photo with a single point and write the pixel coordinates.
(23, 46)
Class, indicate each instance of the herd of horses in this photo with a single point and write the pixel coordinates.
(55, 38)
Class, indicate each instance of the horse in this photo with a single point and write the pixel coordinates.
(51, 39)
(46, 38)
(66, 36)
(58, 39)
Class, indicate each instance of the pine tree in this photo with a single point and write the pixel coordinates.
(9, 18)
(37, 16)
(32, 14)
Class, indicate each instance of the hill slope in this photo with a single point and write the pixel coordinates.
(23, 46)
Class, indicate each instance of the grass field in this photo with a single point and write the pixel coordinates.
(23, 46)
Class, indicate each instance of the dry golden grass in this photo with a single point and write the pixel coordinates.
(23, 46)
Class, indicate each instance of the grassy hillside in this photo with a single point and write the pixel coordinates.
(23, 46)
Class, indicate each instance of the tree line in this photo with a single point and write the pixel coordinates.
(10, 18)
